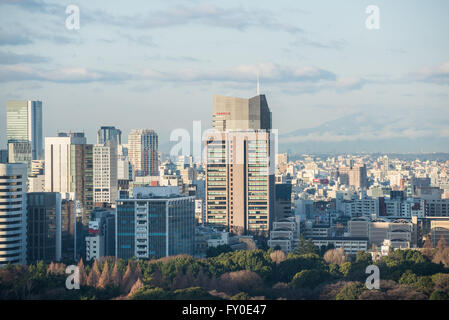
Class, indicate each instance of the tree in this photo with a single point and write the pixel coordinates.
(116, 275)
(441, 243)
(306, 246)
(427, 248)
(309, 279)
(82, 273)
(240, 296)
(94, 275)
(351, 291)
(216, 251)
(439, 295)
(105, 278)
(192, 293)
(238, 281)
(277, 256)
(129, 278)
(335, 256)
(136, 286)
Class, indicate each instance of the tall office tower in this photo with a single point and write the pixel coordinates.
(106, 134)
(156, 222)
(13, 179)
(241, 114)
(69, 168)
(105, 172)
(24, 124)
(239, 166)
(143, 152)
(353, 176)
(43, 227)
(343, 174)
(357, 177)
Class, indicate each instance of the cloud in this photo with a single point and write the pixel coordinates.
(333, 44)
(35, 6)
(340, 85)
(11, 38)
(269, 72)
(7, 57)
(64, 75)
(438, 75)
(199, 14)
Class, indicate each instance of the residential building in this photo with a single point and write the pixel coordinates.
(143, 152)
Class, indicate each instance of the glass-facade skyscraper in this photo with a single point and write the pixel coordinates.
(151, 226)
(24, 124)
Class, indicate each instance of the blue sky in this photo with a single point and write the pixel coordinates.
(157, 64)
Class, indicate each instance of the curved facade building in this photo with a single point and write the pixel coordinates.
(13, 185)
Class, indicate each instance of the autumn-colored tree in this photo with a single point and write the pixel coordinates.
(116, 275)
(335, 256)
(240, 281)
(105, 278)
(441, 243)
(94, 275)
(277, 256)
(129, 278)
(427, 248)
(136, 286)
(82, 273)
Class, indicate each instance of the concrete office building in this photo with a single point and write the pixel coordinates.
(240, 181)
(143, 152)
(13, 224)
(36, 178)
(156, 222)
(351, 245)
(24, 124)
(109, 134)
(437, 208)
(43, 227)
(232, 113)
(240, 165)
(105, 173)
(354, 176)
(285, 234)
(20, 152)
(69, 168)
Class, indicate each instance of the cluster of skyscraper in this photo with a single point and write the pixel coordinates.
(58, 194)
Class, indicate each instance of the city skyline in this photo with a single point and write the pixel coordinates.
(331, 82)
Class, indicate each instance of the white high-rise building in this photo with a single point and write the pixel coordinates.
(105, 172)
(142, 151)
(13, 213)
(57, 161)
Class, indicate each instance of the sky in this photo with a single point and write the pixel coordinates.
(157, 64)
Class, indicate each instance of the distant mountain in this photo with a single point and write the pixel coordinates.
(362, 133)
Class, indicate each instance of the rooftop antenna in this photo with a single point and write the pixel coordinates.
(258, 84)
